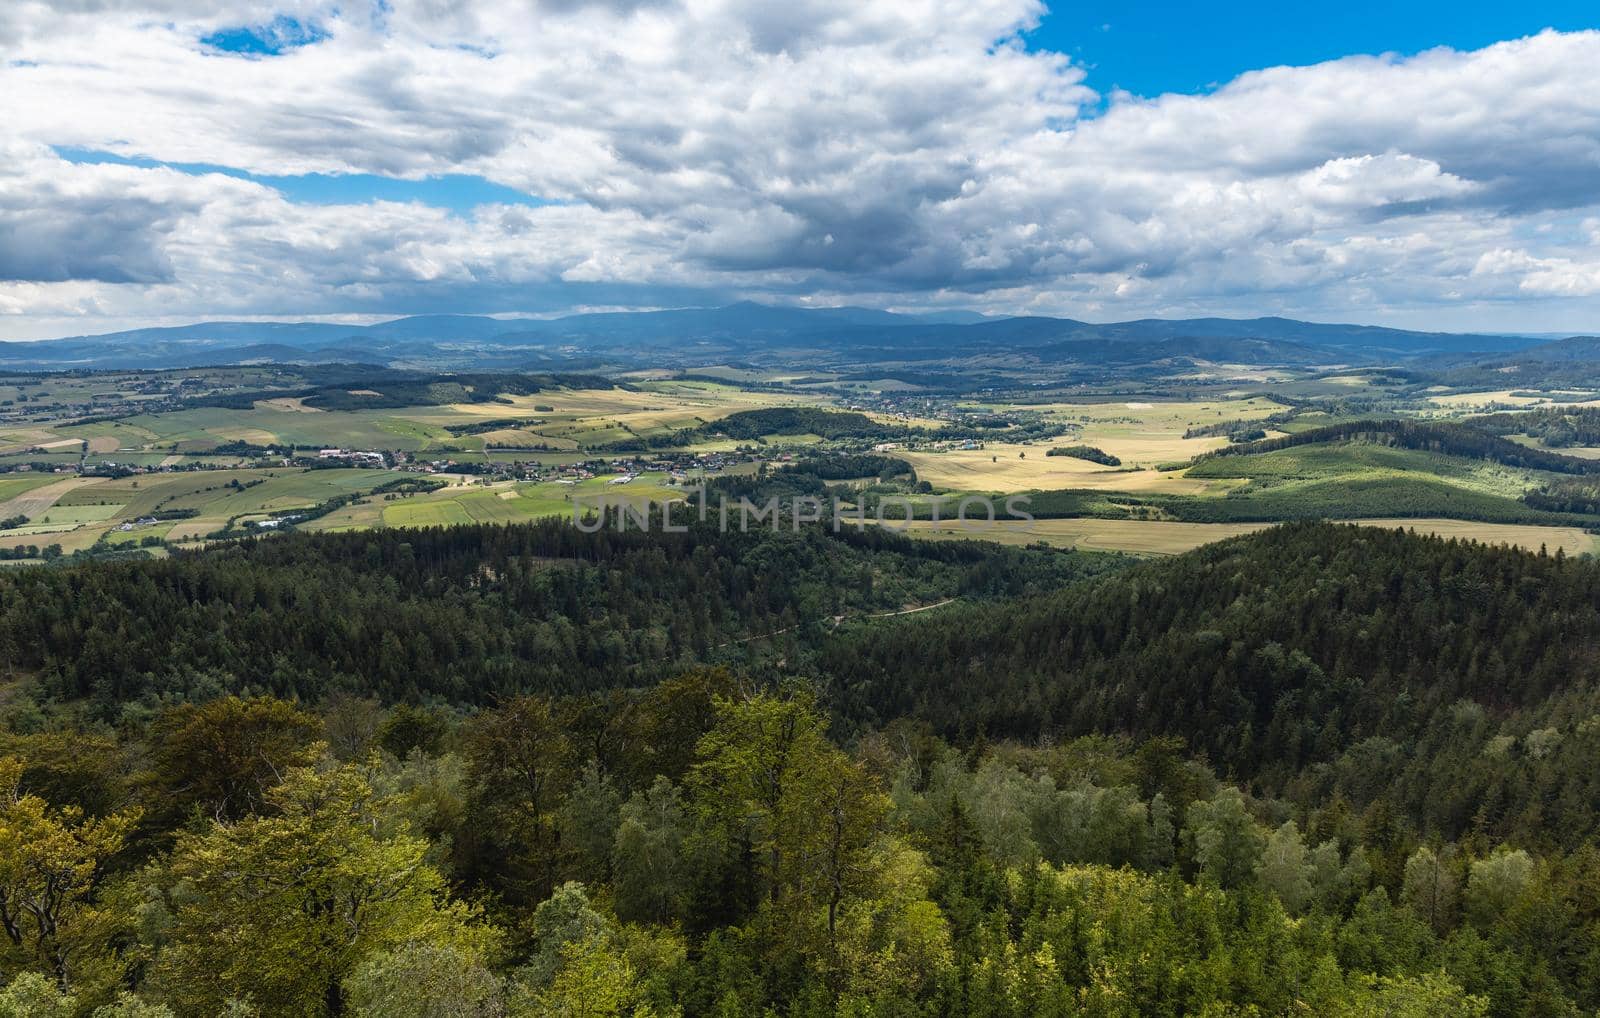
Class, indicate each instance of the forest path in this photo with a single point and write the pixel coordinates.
(837, 620)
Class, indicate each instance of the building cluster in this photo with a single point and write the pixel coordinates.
(678, 466)
(360, 458)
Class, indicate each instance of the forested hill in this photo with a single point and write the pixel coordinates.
(1457, 680)
(1471, 442)
(1307, 660)
(466, 614)
(1555, 426)
(1321, 770)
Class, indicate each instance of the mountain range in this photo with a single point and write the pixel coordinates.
(756, 334)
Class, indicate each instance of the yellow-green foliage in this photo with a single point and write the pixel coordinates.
(281, 908)
(51, 862)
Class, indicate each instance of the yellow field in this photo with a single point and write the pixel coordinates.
(288, 404)
(188, 530)
(1140, 433)
(1158, 538)
(609, 415)
(656, 400)
(1571, 540)
(1143, 434)
(1161, 415)
(1474, 400)
(1138, 536)
(70, 540)
(1011, 468)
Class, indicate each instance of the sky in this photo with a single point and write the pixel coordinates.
(1424, 165)
(1150, 49)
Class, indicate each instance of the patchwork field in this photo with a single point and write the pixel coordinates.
(1164, 496)
(15, 485)
(558, 419)
(1010, 468)
(32, 499)
(1143, 435)
(77, 512)
(1151, 431)
(197, 430)
(469, 501)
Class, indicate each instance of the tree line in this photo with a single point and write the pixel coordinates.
(1470, 441)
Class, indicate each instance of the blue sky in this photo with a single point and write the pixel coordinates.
(457, 192)
(271, 39)
(1150, 48)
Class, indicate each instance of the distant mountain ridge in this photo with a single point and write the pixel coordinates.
(748, 331)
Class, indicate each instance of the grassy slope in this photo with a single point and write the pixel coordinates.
(1338, 480)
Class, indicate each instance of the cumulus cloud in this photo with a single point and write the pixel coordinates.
(107, 224)
(1535, 275)
(903, 152)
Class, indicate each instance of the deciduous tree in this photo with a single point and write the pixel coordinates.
(51, 862)
(282, 907)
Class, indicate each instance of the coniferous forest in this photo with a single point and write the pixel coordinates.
(524, 770)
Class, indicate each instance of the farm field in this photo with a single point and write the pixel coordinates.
(558, 419)
(1571, 540)
(201, 429)
(1145, 537)
(1313, 463)
(1144, 435)
(78, 512)
(469, 501)
(1001, 467)
(1500, 398)
(657, 408)
(19, 492)
(1148, 432)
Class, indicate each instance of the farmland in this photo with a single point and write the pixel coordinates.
(178, 459)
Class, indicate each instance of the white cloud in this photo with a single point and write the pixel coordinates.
(904, 152)
(1565, 277)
